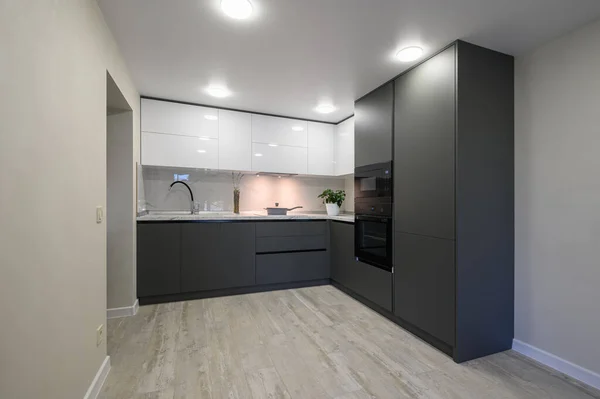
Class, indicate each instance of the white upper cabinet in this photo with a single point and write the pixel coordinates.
(180, 151)
(235, 140)
(280, 131)
(320, 148)
(279, 159)
(181, 119)
(344, 148)
(190, 136)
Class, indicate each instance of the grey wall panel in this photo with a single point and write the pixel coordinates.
(373, 126)
(424, 148)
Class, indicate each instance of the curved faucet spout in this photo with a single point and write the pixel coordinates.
(191, 193)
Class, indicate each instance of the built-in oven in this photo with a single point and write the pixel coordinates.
(373, 181)
(373, 233)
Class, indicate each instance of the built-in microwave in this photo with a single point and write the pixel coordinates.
(373, 181)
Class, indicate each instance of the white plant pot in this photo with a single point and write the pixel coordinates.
(332, 209)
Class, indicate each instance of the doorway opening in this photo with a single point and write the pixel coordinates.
(120, 204)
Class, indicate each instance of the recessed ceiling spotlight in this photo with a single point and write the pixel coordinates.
(258, 155)
(409, 54)
(297, 128)
(218, 91)
(237, 9)
(325, 108)
(211, 117)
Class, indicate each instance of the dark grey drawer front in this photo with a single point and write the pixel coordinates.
(370, 282)
(298, 243)
(287, 229)
(287, 268)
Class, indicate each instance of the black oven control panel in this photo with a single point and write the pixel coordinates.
(373, 208)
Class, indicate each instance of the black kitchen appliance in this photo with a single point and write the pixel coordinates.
(373, 225)
(373, 234)
(373, 182)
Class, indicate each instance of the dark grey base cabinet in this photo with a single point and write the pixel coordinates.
(291, 267)
(217, 255)
(424, 284)
(158, 259)
(217, 258)
(365, 280)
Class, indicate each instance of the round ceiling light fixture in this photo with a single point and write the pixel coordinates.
(218, 91)
(409, 54)
(237, 9)
(325, 108)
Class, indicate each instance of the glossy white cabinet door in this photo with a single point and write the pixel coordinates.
(280, 131)
(280, 159)
(235, 140)
(320, 149)
(344, 148)
(182, 151)
(173, 118)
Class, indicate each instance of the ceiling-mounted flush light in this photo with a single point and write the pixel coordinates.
(218, 91)
(325, 108)
(297, 128)
(409, 54)
(211, 117)
(237, 9)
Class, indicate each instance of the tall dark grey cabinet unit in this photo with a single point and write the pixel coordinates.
(453, 200)
(373, 126)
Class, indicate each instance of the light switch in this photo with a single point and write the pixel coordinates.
(99, 214)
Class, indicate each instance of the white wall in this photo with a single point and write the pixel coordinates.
(256, 193)
(557, 198)
(53, 65)
(120, 261)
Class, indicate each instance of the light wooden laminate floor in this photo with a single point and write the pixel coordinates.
(302, 343)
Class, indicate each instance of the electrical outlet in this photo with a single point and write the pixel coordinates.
(99, 214)
(99, 334)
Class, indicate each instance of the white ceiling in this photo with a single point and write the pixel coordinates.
(293, 54)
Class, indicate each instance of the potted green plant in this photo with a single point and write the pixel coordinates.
(333, 200)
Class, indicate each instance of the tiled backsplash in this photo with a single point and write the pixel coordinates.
(213, 190)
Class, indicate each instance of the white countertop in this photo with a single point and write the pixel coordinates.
(243, 216)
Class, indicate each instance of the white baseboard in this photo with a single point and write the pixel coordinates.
(126, 311)
(564, 366)
(96, 386)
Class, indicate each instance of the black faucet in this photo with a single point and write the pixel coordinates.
(191, 194)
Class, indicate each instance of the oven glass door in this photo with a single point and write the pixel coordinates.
(373, 240)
